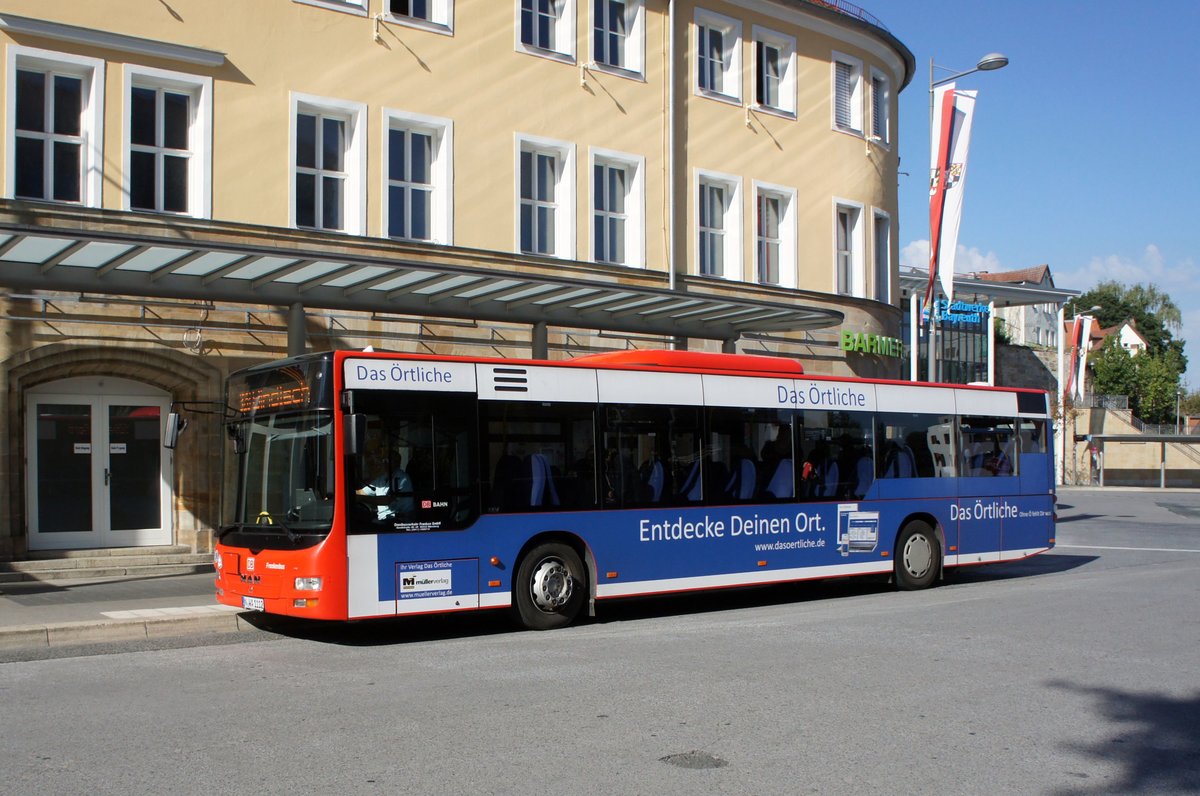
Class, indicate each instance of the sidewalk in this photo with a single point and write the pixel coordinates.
(39, 614)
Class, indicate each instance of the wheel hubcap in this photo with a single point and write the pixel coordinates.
(918, 555)
(552, 585)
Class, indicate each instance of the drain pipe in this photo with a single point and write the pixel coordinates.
(670, 187)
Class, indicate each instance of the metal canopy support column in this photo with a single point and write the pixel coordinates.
(297, 342)
(729, 346)
(540, 341)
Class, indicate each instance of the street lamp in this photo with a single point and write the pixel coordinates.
(988, 63)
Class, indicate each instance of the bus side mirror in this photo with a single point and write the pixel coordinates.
(176, 423)
(355, 428)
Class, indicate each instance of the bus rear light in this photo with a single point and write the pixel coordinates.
(495, 584)
(308, 584)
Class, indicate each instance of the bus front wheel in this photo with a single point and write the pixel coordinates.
(918, 556)
(550, 587)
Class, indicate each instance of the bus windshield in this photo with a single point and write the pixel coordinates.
(283, 472)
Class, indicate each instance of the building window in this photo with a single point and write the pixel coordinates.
(547, 27)
(55, 120)
(880, 107)
(618, 34)
(617, 209)
(718, 228)
(167, 141)
(435, 15)
(718, 55)
(417, 202)
(883, 258)
(328, 165)
(847, 94)
(775, 225)
(774, 71)
(356, 7)
(546, 199)
(847, 247)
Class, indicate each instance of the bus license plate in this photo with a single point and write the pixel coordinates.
(253, 604)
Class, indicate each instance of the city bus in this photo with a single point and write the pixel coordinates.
(366, 484)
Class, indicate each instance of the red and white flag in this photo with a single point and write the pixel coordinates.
(952, 114)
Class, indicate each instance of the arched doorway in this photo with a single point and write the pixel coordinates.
(96, 472)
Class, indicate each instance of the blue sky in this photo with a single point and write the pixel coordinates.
(1084, 149)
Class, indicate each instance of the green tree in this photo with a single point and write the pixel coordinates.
(1114, 371)
(1158, 383)
(1153, 385)
(1155, 314)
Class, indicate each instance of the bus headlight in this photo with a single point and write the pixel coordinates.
(218, 564)
(308, 584)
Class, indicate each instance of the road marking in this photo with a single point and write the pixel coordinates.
(1140, 549)
(148, 613)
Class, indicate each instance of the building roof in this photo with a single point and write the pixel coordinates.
(1037, 275)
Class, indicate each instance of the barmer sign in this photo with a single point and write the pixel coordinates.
(866, 343)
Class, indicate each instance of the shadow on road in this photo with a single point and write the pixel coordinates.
(418, 629)
(1155, 740)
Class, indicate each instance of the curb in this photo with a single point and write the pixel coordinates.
(64, 634)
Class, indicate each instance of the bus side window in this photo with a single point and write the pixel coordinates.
(911, 445)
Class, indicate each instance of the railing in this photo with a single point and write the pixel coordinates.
(1106, 401)
(1121, 403)
(850, 10)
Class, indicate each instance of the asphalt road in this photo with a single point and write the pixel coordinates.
(1072, 673)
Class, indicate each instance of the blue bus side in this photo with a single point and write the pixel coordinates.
(647, 551)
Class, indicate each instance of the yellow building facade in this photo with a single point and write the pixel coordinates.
(192, 186)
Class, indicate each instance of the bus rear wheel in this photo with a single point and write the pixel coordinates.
(550, 587)
(918, 557)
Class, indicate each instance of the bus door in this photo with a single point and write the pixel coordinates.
(988, 460)
(1033, 527)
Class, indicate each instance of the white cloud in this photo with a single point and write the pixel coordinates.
(1150, 268)
(916, 255)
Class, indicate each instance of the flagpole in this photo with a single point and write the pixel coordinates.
(987, 63)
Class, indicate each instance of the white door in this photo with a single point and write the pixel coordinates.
(96, 470)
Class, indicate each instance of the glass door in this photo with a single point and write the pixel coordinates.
(96, 471)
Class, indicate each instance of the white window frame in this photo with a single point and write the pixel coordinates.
(635, 204)
(855, 267)
(787, 233)
(731, 72)
(881, 108)
(564, 193)
(855, 100)
(731, 249)
(635, 41)
(564, 34)
(200, 89)
(356, 7)
(441, 205)
(787, 79)
(91, 71)
(881, 269)
(440, 20)
(354, 195)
